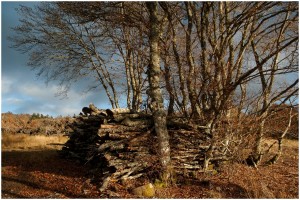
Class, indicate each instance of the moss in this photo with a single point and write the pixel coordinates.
(210, 167)
(147, 190)
(159, 184)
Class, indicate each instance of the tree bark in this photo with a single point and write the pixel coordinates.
(182, 79)
(191, 74)
(159, 115)
(168, 80)
(274, 159)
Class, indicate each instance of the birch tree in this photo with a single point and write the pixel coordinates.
(63, 48)
(159, 115)
(209, 59)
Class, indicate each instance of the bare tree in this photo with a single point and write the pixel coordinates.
(62, 48)
(271, 64)
(221, 64)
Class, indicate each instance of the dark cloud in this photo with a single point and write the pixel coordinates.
(12, 61)
(23, 92)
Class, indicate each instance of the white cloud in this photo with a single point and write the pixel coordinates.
(34, 91)
(47, 102)
(36, 97)
(13, 101)
(6, 85)
(22, 93)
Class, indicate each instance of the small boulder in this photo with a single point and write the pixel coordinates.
(147, 190)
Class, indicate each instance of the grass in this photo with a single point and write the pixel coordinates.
(32, 168)
(30, 142)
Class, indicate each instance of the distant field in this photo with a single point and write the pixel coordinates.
(34, 142)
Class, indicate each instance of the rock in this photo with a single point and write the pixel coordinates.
(147, 190)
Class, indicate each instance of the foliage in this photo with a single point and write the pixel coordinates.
(39, 116)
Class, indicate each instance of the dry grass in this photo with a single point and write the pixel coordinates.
(280, 180)
(28, 142)
(31, 168)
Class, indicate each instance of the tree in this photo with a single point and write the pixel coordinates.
(220, 64)
(159, 115)
(281, 122)
(271, 63)
(126, 50)
(227, 35)
(62, 48)
(126, 30)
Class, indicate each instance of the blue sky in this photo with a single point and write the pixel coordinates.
(23, 92)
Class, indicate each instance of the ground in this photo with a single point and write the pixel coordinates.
(35, 170)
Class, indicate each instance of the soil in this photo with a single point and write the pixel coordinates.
(43, 174)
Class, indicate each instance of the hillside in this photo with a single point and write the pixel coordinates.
(33, 124)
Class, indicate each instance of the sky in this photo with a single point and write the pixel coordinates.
(22, 91)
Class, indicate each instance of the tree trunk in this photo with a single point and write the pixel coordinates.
(182, 81)
(191, 74)
(274, 159)
(159, 115)
(169, 88)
